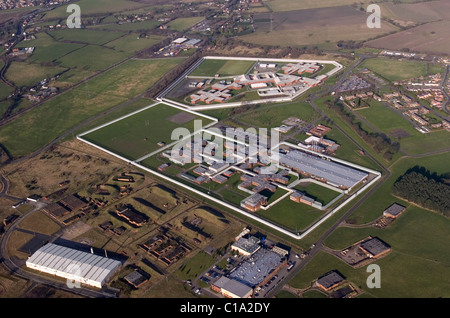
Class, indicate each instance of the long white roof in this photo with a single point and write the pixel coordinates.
(73, 264)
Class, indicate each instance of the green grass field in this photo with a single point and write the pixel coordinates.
(85, 36)
(138, 135)
(131, 43)
(38, 127)
(386, 119)
(47, 49)
(182, 24)
(272, 116)
(317, 192)
(292, 215)
(395, 70)
(97, 7)
(222, 67)
(92, 58)
(27, 74)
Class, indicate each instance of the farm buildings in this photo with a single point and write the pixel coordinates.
(72, 264)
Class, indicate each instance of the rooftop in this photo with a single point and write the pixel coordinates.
(254, 270)
(335, 173)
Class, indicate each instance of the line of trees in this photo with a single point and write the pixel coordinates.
(427, 190)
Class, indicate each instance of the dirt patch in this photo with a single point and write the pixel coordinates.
(75, 230)
(181, 118)
(399, 133)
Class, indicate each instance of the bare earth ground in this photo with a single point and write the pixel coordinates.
(72, 161)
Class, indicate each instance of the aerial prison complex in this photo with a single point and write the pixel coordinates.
(268, 83)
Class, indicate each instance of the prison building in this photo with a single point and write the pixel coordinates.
(301, 68)
(72, 264)
(394, 211)
(319, 131)
(56, 210)
(231, 288)
(300, 197)
(220, 179)
(259, 182)
(375, 247)
(134, 218)
(246, 246)
(137, 278)
(324, 170)
(72, 203)
(330, 281)
(258, 268)
(254, 202)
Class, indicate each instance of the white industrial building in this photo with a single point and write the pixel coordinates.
(75, 265)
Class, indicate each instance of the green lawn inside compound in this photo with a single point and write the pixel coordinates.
(139, 134)
(291, 215)
(317, 192)
(209, 68)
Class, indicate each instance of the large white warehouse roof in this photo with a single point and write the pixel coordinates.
(73, 264)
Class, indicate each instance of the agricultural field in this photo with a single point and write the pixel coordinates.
(84, 36)
(428, 22)
(132, 43)
(46, 49)
(313, 26)
(40, 126)
(96, 8)
(28, 74)
(182, 24)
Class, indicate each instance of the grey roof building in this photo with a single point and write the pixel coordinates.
(330, 280)
(332, 172)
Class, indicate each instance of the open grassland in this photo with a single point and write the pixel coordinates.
(97, 7)
(27, 74)
(291, 215)
(137, 135)
(46, 49)
(313, 26)
(386, 119)
(396, 70)
(85, 36)
(127, 27)
(273, 116)
(132, 43)
(182, 24)
(38, 127)
(92, 58)
(382, 197)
